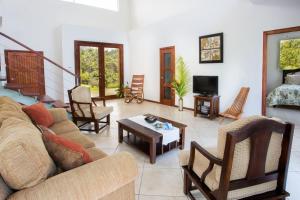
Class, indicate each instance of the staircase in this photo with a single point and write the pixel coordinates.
(19, 87)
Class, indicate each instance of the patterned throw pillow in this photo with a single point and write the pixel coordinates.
(65, 153)
(39, 114)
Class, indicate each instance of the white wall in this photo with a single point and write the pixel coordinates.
(274, 73)
(242, 23)
(38, 23)
(72, 33)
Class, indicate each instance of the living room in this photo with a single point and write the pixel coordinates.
(250, 36)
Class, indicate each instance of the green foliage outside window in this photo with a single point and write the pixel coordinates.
(290, 54)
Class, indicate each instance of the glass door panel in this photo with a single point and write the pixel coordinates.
(112, 70)
(89, 69)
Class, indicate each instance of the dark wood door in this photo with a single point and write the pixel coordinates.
(167, 75)
(100, 67)
(26, 69)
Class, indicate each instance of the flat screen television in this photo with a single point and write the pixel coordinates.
(205, 85)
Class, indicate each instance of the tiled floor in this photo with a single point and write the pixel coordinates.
(163, 180)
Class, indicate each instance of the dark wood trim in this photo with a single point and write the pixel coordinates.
(170, 49)
(101, 46)
(265, 58)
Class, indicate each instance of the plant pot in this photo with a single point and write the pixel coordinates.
(180, 104)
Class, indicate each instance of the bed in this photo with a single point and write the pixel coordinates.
(287, 94)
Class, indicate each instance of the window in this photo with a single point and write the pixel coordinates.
(105, 4)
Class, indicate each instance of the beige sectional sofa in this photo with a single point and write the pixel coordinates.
(107, 177)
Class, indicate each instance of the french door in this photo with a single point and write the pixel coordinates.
(167, 75)
(100, 67)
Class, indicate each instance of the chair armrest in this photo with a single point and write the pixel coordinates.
(58, 114)
(91, 181)
(195, 146)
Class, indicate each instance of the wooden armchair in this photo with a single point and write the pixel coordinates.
(84, 109)
(236, 109)
(250, 161)
(136, 91)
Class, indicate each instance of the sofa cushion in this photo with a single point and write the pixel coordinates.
(67, 154)
(64, 127)
(39, 114)
(96, 153)
(25, 161)
(7, 111)
(8, 100)
(79, 138)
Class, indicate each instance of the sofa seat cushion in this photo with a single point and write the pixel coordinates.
(66, 153)
(96, 153)
(79, 138)
(25, 161)
(8, 110)
(39, 114)
(63, 127)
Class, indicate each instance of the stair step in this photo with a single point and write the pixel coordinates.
(60, 104)
(46, 99)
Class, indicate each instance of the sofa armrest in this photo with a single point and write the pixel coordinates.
(59, 114)
(91, 181)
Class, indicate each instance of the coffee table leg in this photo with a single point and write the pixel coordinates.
(152, 152)
(120, 134)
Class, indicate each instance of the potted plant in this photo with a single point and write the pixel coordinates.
(120, 90)
(181, 84)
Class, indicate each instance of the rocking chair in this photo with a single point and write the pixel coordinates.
(136, 91)
(84, 109)
(250, 161)
(236, 109)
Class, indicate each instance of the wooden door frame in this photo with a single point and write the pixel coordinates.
(173, 55)
(101, 46)
(265, 61)
(41, 87)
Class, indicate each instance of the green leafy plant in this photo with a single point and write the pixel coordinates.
(120, 90)
(181, 84)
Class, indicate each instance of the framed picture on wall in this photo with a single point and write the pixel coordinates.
(211, 48)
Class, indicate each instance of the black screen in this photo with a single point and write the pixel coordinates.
(205, 85)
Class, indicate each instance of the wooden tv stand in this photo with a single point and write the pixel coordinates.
(213, 109)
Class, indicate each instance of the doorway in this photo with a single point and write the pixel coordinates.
(100, 67)
(167, 75)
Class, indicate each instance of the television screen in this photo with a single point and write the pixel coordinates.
(205, 85)
(290, 54)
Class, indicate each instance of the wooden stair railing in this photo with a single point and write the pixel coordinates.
(43, 98)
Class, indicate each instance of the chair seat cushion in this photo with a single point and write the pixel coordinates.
(96, 153)
(99, 111)
(39, 114)
(64, 127)
(66, 153)
(25, 161)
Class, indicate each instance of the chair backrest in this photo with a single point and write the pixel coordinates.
(237, 107)
(254, 150)
(80, 94)
(137, 83)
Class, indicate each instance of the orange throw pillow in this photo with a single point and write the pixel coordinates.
(65, 153)
(39, 114)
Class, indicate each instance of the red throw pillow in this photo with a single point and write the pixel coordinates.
(65, 153)
(39, 114)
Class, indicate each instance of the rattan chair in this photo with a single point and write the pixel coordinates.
(236, 109)
(136, 91)
(85, 110)
(250, 161)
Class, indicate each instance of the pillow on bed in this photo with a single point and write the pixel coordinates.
(292, 79)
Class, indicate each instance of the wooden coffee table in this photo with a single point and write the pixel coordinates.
(147, 139)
